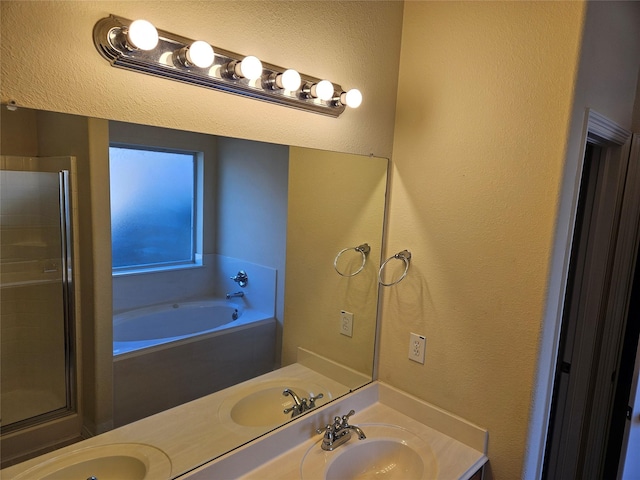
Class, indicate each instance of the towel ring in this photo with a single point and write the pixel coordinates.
(405, 256)
(363, 249)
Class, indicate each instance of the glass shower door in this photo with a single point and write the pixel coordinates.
(35, 292)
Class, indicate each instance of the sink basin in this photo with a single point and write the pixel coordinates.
(132, 461)
(262, 404)
(389, 452)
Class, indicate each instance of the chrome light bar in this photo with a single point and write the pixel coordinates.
(166, 57)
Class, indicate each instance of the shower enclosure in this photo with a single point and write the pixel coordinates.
(36, 313)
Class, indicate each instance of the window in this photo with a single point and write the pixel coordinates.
(153, 211)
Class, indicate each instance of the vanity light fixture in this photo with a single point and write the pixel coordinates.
(289, 80)
(139, 46)
(322, 90)
(250, 68)
(141, 35)
(352, 98)
(199, 54)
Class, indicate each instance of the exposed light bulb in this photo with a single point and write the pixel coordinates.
(250, 67)
(322, 90)
(142, 34)
(200, 54)
(289, 80)
(352, 98)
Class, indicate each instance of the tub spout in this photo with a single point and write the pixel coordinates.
(234, 295)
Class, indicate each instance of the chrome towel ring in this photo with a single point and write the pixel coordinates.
(405, 256)
(363, 249)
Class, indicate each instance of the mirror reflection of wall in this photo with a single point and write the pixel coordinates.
(241, 205)
(280, 213)
(41, 304)
(335, 201)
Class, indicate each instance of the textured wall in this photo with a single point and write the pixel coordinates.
(484, 103)
(355, 44)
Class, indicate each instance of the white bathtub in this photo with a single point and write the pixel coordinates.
(170, 354)
(160, 324)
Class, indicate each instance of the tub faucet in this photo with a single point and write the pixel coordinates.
(234, 295)
(339, 432)
(241, 278)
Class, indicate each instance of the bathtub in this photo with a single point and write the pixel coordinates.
(151, 326)
(170, 354)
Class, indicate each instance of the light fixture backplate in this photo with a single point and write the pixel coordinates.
(107, 35)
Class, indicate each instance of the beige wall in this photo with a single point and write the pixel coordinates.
(355, 44)
(484, 102)
(19, 133)
(487, 153)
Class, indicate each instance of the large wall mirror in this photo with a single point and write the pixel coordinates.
(198, 267)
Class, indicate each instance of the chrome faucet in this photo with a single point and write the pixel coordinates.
(296, 399)
(241, 278)
(233, 295)
(300, 404)
(339, 432)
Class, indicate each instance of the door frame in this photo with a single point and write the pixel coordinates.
(633, 401)
(596, 128)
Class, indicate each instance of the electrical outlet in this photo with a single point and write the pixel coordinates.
(346, 323)
(417, 347)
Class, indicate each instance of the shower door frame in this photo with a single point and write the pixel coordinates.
(64, 166)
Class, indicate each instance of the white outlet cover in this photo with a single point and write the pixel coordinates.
(346, 323)
(417, 347)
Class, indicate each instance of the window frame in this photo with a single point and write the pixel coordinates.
(196, 260)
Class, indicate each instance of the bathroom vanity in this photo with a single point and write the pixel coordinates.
(415, 438)
(406, 439)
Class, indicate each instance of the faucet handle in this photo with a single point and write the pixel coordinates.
(312, 399)
(241, 278)
(293, 409)
(328, 430)
(345, 418)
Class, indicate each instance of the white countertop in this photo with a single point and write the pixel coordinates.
(455, 460)
(459, 446)
(192, 434)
